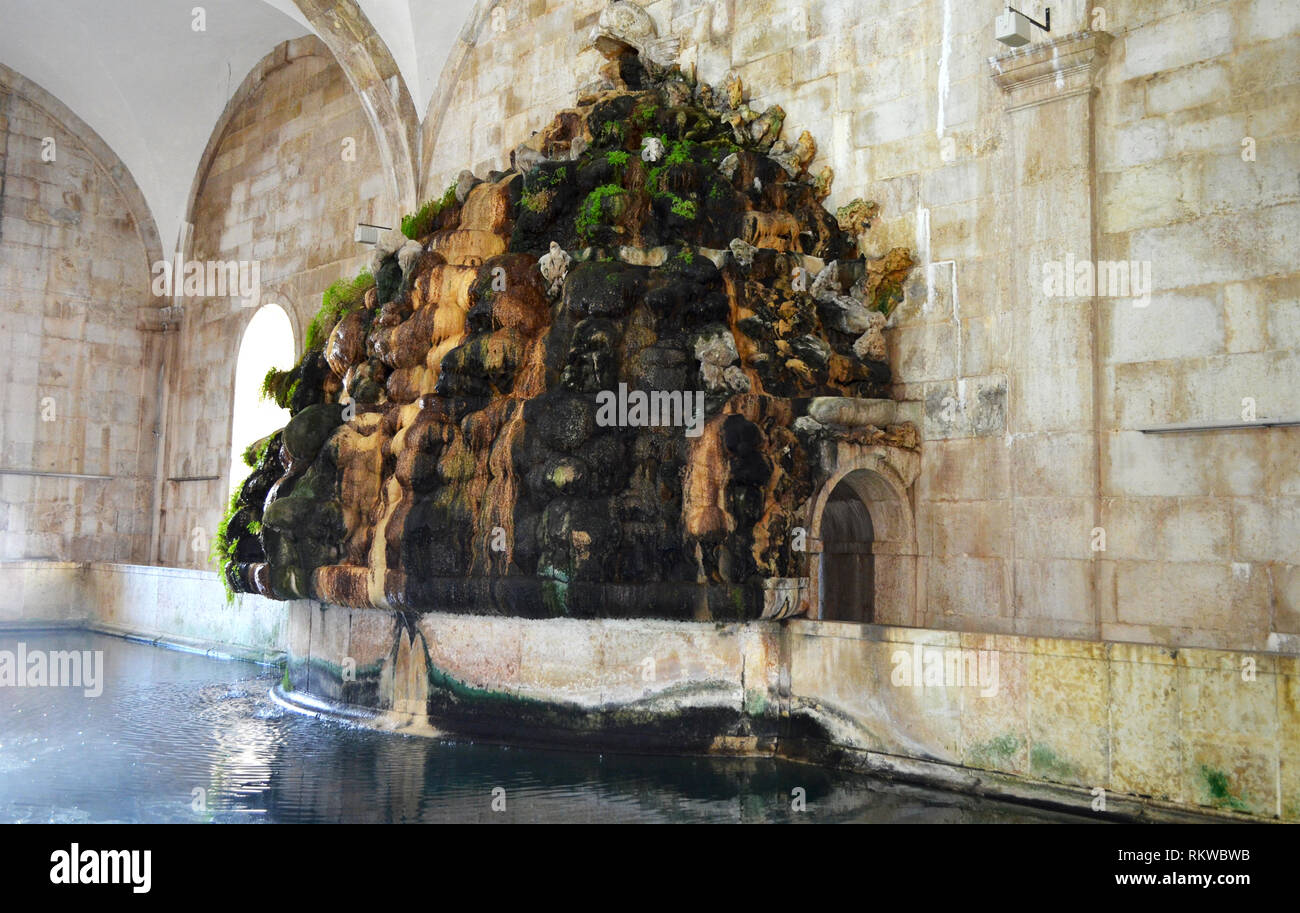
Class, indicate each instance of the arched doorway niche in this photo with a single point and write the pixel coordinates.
(862, 542)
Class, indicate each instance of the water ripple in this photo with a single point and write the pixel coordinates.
(176, 737)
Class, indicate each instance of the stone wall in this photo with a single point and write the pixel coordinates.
(176, 607)
(77, 447)
(275, 187)
(1204, 529)
(1187, 726)
(1154, 731)
(1032, 402)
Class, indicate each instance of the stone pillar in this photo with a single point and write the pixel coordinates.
(1048, 219)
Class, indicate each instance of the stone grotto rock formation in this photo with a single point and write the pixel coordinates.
(501, 421)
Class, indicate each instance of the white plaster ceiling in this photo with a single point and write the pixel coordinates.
(153, 88)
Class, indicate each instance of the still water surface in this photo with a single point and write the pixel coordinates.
(176, 737)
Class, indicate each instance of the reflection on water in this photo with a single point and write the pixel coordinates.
(178, 737)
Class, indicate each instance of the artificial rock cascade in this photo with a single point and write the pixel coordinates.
(450, 446)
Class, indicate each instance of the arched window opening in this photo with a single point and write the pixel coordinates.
(267, 343)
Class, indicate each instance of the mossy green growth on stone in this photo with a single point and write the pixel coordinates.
(887, 298)
(684, 208)
(540, 177)
(1219, 789)
(646, 113)
(535, 201)
(680, 153)
(996, 753)
(308, 431)
(339, 300)
(1045, 763)
(255, 452)
(421, 222)
(222, 550)
(590, 214)
(612, 134)
(276, 386)
(563, 475)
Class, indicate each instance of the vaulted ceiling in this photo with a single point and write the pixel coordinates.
(153, 87)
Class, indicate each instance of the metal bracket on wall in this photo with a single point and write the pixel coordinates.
(1045, 26)
(1223, 426)
(52, 475)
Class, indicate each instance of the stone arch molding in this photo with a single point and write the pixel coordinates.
(374, 76)
(285, 53)
(479, 18)
(102, 154)
(349, 40)
(397, 167)
(882, 478)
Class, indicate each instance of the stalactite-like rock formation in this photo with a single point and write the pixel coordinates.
(586, 390)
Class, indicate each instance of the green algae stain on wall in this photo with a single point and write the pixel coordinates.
(1046, 764)
(997, 753)
(1218, 787)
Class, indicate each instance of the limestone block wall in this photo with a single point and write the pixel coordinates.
(79, 370)
(293, 171)
(181, 607)
(1190, 727)
(1204, 529)
(175, 606)
(1032, 400)
(1154, 731)
(39, 593)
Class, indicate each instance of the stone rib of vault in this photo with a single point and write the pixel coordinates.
(450, 445)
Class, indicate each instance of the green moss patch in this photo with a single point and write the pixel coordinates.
(1219, 788)
(1047, 764)
(997, 753)
(339, 300)
(422, 221)
(591, 213)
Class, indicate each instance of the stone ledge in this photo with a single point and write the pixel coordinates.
(151, 570)
(212, 649)
(1046, 71)
(1034, 793)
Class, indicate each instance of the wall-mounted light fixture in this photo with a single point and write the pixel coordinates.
(368, 234)
(1013, 28)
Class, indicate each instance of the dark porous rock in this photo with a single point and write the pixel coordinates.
(600, 289)
(584, 392)
(308, 431)
(564, 422)
(591, 364)
(387, 281)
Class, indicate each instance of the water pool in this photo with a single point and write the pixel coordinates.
(176, 737)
